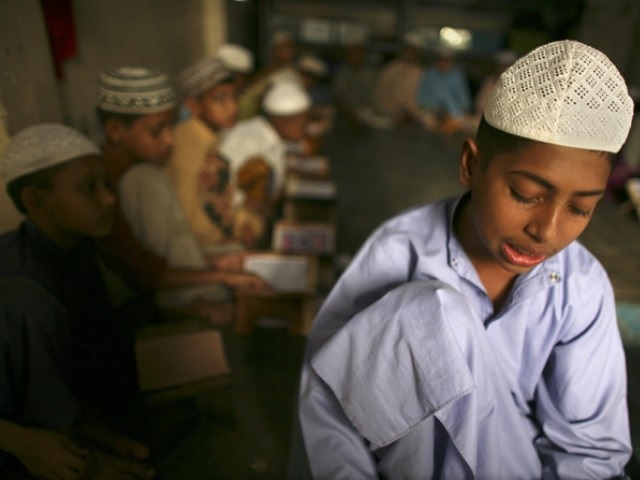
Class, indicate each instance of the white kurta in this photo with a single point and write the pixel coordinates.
(149, 203)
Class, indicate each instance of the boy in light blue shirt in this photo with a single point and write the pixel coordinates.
(475, 337)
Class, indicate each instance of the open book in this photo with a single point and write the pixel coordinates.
(285, 273)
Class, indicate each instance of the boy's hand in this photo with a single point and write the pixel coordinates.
(247, 281)
(51, 455)
(106, 466)
(228, 262)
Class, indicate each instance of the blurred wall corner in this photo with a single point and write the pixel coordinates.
(9, 216)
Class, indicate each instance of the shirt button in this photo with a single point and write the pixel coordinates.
(454, 262)
(554, 277)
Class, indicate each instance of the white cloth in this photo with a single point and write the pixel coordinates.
(150, 205)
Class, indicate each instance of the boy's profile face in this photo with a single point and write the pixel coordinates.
(292, 127)
(217, 107)
(149, 138)
(527, 205)
(80, 202)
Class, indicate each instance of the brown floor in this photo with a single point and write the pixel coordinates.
(244, 432)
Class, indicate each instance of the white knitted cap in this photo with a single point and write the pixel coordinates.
(236, 57)
(286, 98)
(313, 65)
(134, 90)
(565, 93)
(42, 146)
(198, 78)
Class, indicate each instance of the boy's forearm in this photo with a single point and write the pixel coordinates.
(10, 436)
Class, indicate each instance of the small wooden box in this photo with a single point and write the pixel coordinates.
(303, 237)
(178, 360)
(293, 297)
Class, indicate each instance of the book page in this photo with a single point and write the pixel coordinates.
(284, 273)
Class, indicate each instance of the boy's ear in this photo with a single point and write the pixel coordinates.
(32, 198)
(469, 161)
(114, 130)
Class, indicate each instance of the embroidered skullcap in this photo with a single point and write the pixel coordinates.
(565, 93)
(235, 57)
(312, 65)
(198, 78)
(286, 98)
(42, 146)
(134, 90)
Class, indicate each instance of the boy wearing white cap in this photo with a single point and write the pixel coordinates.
(152, 245)
(281, 66)
(475, 337)
(63, 352)
(264, 139)
(239, 60)
(443, 98)
(398, 80)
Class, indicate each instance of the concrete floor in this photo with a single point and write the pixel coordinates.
(243, 432)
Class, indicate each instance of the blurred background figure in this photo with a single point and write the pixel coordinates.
(395, 90)
(238, 60)
(314, 73)
(280, 65)
(443, 98)
(353, 86)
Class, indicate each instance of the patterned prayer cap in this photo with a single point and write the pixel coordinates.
(198, 78)
(134, 90)
(42, 146)
(565, 93)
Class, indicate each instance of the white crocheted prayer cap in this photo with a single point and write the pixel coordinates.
(198, 78)
(313, 65)
(134, 90)
(42, 146)
(565, 93)
(236, 57)
(286, 98)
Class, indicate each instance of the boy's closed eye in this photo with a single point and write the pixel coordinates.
(527, 199)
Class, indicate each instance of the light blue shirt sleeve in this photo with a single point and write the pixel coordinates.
(556, 344)
(581, 398)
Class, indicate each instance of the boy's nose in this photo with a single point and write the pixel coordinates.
(168, 136)
(107, 196)
(544, 224)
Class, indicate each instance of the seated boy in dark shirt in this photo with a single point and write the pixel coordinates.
(68, 363)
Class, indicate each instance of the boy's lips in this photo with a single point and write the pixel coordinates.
(521, 256)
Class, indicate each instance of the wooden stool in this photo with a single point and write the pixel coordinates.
(296, 307)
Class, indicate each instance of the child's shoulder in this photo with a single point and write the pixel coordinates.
(420, 217)
(143, 176)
